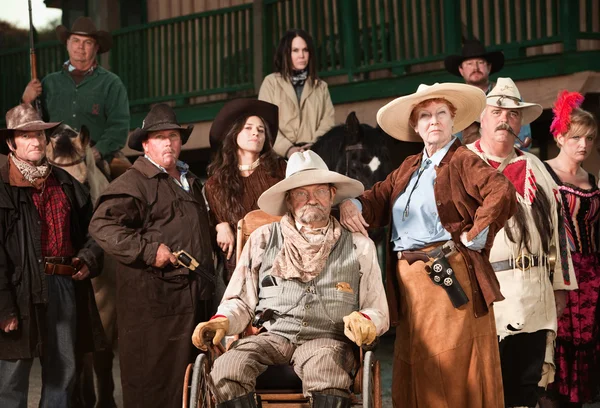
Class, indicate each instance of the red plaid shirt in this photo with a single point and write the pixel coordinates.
(54, 210)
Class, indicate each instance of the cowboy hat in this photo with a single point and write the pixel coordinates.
(506, 95)
(86, 27)
(474, 49)
(160, 117)
(239, 108)
(25, 118)
(303, 169)
(468, 100)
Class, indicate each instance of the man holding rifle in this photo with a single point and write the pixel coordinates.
(153, 220)
(84, 93)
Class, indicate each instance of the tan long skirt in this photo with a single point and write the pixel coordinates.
(443, 357)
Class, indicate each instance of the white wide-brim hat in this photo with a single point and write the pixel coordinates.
(304, 169)
(468, 100)
(506, 95)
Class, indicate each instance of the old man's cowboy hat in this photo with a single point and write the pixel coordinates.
(506, 95)
(85, 26)
(468, 100)
(160, 117)
(304, 169)
(25, 118)
(474, 49)
(239, 108)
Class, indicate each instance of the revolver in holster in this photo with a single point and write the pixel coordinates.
(440, 271)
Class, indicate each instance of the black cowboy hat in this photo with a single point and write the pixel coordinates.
(474, 49)
(85, 26)
(160, 117)
(23, 117)
(243, 107)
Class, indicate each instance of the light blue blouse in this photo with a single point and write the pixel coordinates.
(415, 219)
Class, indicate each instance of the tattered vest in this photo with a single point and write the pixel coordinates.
(305, 311)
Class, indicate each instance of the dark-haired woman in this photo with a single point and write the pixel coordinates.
(244, 166)
(305, 108)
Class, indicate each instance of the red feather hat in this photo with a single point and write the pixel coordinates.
(564, 105)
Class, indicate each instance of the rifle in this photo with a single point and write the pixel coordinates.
(32, 60)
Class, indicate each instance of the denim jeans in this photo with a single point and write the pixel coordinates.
(58, 361)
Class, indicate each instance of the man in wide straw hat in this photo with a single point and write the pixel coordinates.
(311, 285)
(47, 306)
(530, 255)
(154, 209)
(84, 93)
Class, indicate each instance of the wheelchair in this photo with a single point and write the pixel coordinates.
(278, 386)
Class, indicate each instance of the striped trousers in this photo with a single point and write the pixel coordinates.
(323, 365)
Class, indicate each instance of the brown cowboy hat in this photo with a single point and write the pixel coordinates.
(243, 107)
(474, 49)
(160, 117)
(86, 27)
(23, 117)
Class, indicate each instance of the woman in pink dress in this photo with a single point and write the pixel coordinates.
(577, 354)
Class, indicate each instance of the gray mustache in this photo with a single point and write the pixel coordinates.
(318, 206)
(505, 126)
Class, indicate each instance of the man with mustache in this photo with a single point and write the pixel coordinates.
(153, 210)
(475, 65)
(530, 254)
(311, 286)
(47, 305)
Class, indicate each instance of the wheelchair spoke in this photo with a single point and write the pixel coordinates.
(200, 396)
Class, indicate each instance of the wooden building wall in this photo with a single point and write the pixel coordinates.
(164, 9)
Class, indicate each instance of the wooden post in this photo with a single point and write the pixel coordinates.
(257, 39)
(453, 27)
(348, 26)
(569, 23)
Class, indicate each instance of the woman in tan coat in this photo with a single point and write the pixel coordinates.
(444, 204)
(305, 108)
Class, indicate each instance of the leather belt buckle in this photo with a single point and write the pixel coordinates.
(58, 269)
(524, 262)
(52, 268)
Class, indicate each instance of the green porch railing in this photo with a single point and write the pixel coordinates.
(185, 57)
(15, 70)
(354, 36)
(213, 52)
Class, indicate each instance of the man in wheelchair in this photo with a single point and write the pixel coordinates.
(310, 285)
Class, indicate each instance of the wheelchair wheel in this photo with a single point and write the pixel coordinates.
(371, 386)
(199, 396)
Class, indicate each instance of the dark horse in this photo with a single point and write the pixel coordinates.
(357, 150)
(366, 154)
(362, 152)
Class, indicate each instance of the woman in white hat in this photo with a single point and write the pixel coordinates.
(446, 352)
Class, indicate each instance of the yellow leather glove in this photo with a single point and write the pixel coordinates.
(359, 329)
(217, 327)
